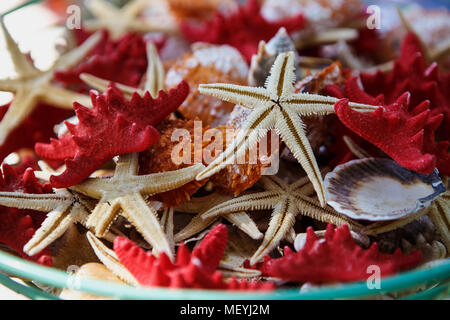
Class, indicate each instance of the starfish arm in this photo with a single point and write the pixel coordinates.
(154, 81)
(145, 219)
(20, 61)
(354, 148)
(249, 97)
(109, 258)
(167, 226)
(195, 226)
(280, 83)
(243, 221)
(92, 187)
(312, 208)
(283, 218)
(38, 202)
(21, 107)
(133, 8)
(102, 8)
(127, 165)
(74, 56)
(255, 201)
(103, 215)
(291, 129)
(10, 85)
(53, 227)
(102, 85)
(229, 270)
(308, 104)
(144, 27)
(94, 25)
(258, 123)
(165, 181)
(63, 98)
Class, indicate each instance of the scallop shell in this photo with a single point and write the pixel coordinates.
(378, 189)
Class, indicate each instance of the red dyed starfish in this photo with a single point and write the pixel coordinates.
(123, 61)
(336, 258)
(17, 226)
(114, 126)
(191, 270)
(37, 127)
(411, 73)
(242, 29)
(406, 134)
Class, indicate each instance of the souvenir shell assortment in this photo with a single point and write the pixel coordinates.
(122, 187)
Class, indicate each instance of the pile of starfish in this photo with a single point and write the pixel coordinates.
(105, 171)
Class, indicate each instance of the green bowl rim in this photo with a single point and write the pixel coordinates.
(57, 278)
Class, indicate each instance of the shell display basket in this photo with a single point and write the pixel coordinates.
(44, 283)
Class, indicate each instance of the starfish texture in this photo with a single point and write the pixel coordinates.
(114, 126)
(191, 270)
(198, 224)
(287, 201)
(275, 106)
(119, 21)
(126, 192)
(33, 86)
(337, 258)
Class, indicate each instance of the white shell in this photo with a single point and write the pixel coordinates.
(377, 189)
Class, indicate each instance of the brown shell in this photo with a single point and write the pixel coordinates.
(193, 9)
(236, 178)
(211, 111)
(158, 158)
(318, 126)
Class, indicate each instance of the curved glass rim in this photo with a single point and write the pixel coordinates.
(57, 278)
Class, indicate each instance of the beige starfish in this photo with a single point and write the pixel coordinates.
(119, 21)
(275, 106)
(287, 201)
(33, 86)
(198, 223)
(326, 37)
(109, 258)
(64, 208)
(154, 80)
(127, 191)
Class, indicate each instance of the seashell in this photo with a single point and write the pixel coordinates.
(378, 189)
(207, 64)
(267, 53)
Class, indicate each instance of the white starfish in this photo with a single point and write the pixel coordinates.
(33, 86)
(154, 80)
(287, 201)
(127, 191)
(119, 21)
(275, 107)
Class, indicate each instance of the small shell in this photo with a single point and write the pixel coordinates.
(380, 189)
(267, 53)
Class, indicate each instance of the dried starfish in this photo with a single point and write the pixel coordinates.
(275, 106)
(199, 223)
(287, 201)
(33, 86)
(119, 21)
(154, 77)
(64, 209)
(127, 191)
